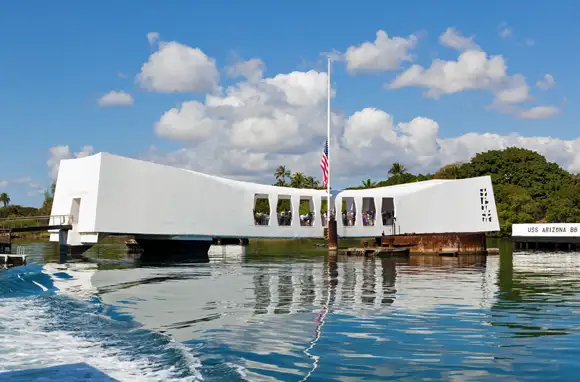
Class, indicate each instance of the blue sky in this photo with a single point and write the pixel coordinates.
(58, 58)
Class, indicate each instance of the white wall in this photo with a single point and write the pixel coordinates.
(145, 198)
(128, 196)
(447, 207)
(78, 178)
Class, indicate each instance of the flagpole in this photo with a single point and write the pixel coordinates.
(328, 141)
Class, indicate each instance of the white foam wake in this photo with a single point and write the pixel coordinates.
(27, 344)
(79, 286)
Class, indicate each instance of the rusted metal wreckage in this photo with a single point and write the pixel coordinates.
(442, 244)
(436, 244)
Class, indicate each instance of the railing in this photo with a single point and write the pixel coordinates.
(36, 221)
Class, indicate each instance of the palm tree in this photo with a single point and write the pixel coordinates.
(311, 182)
(368, 183)
(397, 169)
(5, 199)
(281, 174)
(298, 180)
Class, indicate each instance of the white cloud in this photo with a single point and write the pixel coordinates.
(4, 183)
(35, 189)
(417, 144)
(252, 69)
(249, 128)
(540, 112)
(515, 91)
(474, 69)
(454, 39)
(116, 98)
(58, 153)
(503, 30)
(152, 38)
(190, 122)
(175, 67)
(547, 82)
(256, 126)
(278, 113)
(385, 53)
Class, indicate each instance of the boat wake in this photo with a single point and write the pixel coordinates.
(50, 316)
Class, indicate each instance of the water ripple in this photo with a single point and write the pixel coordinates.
(296, 317)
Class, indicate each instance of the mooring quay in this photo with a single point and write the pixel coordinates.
(168, 209)
(11, 226)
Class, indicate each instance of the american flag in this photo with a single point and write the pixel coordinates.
(324, 165)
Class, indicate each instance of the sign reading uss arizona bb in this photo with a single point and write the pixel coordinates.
(555, 229)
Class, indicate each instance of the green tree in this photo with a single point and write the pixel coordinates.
(397, 169)
(46, 208)
(520, 167)
(281, 174)
(298, 180)
(311, 182)
(514, 204)
(526, 186)
(4, 199)
(368, 183)
(449, 171)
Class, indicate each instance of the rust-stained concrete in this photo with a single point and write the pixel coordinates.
(439, 243)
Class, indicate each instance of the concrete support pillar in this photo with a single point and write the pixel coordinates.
(273, 222)
(358, 202)
(338, 209)
(62, 246)
(295, 204)
(332, 235)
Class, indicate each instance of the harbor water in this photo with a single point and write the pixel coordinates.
(291, 313)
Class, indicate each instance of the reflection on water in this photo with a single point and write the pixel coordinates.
(247, 314)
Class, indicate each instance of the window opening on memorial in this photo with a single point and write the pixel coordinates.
(388, 211)
(485, 211)
(323, 210)
(284, 210)
(369, 211)
(74, 213)
(348, 212)
(306, 211)
(261, 210)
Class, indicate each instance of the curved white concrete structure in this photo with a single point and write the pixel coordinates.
(109, 194)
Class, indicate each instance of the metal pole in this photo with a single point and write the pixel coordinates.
(328, 142)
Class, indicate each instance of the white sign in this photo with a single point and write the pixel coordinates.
(547, 230)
